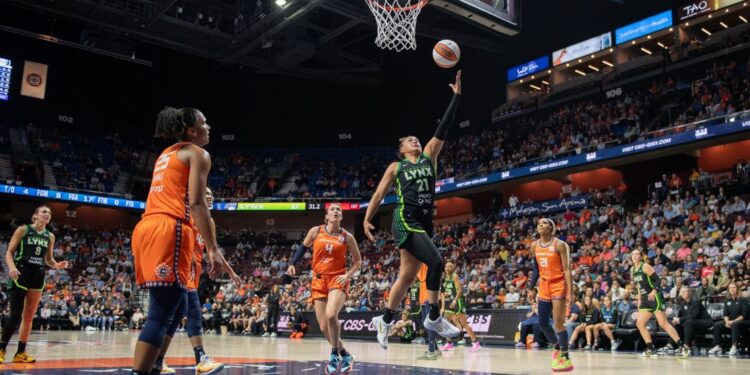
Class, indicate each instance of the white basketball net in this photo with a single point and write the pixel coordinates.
(397, 22)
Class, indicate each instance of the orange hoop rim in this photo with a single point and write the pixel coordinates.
(418, 5)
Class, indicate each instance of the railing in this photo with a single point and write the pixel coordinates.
(653, 134)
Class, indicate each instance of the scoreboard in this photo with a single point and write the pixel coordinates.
(5, 69)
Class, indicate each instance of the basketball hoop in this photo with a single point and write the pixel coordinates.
(397, 22)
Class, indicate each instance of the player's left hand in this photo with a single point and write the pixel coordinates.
(453, 305)
(213, 263)
(61, 265)
(569, 301)
(652, 295)
(456, 87)
(342, 279)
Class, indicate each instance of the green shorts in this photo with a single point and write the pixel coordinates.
(460, 308)
(652, 306)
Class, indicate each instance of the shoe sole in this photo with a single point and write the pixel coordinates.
(214, 371)
(567, 369)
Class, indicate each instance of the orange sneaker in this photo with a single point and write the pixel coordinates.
(23, 358)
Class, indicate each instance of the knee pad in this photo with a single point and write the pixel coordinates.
(434, 272)
(164, 303)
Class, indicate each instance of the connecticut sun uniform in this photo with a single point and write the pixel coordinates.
(415, 185)
(329, 261)
(164, 239)
(195, 264)
(552, 278)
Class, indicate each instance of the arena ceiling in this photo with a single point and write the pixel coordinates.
(319, 39)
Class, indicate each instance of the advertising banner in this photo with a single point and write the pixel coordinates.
(581, 49)
(551, 206)
(528, 68)
(643, 27)
(491, 326)
(694, 9)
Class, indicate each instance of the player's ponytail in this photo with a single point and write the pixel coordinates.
(172, 122)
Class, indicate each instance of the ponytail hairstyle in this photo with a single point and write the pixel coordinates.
(172, 123)
(551, 223)
(36, 211)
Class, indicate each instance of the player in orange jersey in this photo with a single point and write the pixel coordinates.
(551, 262)
(163, 241)
(190, 307)
(330, 280)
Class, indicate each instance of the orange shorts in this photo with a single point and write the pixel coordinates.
(323, 284)
(552, 290)
(162, 251)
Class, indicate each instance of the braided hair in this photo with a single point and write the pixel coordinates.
(172, 122)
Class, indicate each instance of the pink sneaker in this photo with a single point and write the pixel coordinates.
(447, 347)
(475, 347)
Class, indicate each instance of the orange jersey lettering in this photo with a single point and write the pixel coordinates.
(168, 194)
(329, 253)
(548, 260)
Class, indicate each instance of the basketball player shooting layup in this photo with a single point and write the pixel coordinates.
(412, 221)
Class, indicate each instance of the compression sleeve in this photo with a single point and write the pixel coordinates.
(298, 255)
(534, 274)
(442, 131)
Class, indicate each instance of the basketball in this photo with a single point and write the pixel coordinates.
(446, 53)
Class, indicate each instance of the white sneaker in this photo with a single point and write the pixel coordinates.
(442, 327)
(266, 334)
(733, 350)
(715, 350)
(273, 334)
(382, 328)
(615, 344)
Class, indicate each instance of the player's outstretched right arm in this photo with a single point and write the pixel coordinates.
(385, 183)
(12, 246)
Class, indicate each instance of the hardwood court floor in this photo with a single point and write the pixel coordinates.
(69, 352)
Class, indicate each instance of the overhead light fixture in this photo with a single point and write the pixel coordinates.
(661, 45)
(532, 77)
(648, 37)
(593, 68)
(723, 24)
(580, 60)
(687, 23)
(671, 29)
(200, 16)
(545, 82)
(705, 31)
(710, 15)
(549, 71)
(633, 42)
(592, 56)
(281, 3)
(521, 81)
(743, 19)
(580, 72)
(179, 10)
(726, 10)
(646, 51)
(567, 64)
(611, 49)
(535, 87)
(607, 63)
